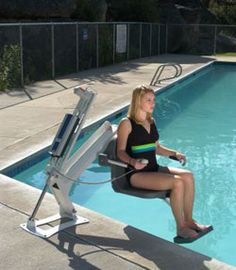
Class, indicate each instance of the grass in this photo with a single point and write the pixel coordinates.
(226, 54)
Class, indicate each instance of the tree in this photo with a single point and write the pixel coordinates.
(90, 10)
(133, 10)
(225, 13)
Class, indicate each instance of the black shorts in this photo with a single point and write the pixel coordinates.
(148, 169)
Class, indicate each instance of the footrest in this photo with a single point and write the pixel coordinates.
(183, 240)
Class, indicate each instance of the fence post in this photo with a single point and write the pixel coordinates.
(159, 40)
(150, 48)
(77, 46)
(97, 45)
(140, 40)
(21, 57)
(53, 52)
(166, 41)
(128, 35)
(215, 33)
(114, 43)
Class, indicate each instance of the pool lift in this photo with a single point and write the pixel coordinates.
(65, 167)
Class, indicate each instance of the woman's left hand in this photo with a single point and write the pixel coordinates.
(181, 157)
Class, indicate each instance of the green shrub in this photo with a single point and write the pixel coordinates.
(10, 67)
(225, 13)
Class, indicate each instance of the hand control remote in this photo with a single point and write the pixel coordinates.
(143, 161)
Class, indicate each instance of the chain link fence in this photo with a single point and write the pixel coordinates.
(201, 39)
(49, 50)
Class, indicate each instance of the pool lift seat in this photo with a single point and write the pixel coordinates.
(121, 185)
(109, 158)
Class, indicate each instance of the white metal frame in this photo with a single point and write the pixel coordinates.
(65, 167)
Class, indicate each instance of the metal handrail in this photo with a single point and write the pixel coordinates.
(156, 78)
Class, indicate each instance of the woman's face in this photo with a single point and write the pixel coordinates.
(147, 103)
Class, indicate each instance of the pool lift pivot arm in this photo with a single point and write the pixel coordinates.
(65, 166)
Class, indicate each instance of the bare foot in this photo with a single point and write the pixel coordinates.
(186, 232)
(197, 227)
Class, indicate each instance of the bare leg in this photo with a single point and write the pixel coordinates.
(164, 181)
(188, 180)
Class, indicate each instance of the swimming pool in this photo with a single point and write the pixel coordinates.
(196, 117)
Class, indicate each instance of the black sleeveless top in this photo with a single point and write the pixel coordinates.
(141, 144)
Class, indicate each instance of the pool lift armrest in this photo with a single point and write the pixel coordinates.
(65, 166)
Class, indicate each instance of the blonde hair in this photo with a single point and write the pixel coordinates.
(138, 94)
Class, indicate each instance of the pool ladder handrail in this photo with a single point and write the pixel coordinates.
(156, 78)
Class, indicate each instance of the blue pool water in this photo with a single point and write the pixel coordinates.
(196, 117)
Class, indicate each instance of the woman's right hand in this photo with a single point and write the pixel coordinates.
(137, 164)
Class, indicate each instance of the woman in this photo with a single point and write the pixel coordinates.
(138, 139)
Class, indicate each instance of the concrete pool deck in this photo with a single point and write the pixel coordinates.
(103, 243)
